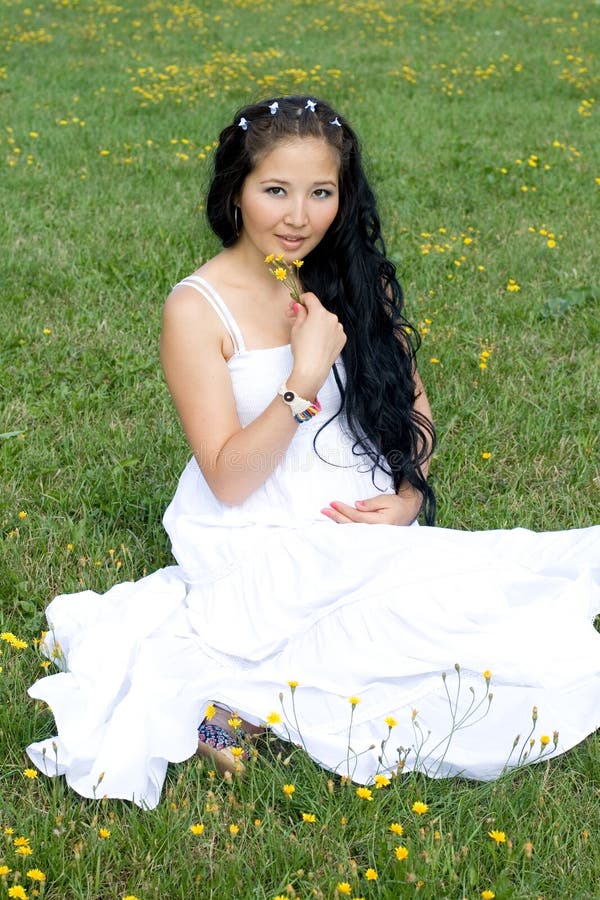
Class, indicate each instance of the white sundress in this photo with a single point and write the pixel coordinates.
(271, 591)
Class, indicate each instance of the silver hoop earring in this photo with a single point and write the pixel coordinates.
(236, 220)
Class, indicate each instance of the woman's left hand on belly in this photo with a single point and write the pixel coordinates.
(384, 509)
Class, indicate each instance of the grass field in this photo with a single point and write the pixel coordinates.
(479, 123)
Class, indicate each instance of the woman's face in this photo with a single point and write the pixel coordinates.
(290, 198)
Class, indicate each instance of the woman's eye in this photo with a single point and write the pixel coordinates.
(322, 193)
(275, 191)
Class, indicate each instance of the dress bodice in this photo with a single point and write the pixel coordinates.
(319, 465)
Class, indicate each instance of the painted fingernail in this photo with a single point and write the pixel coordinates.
(333, 504)
(360, 503)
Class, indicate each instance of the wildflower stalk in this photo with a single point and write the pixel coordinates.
(279, 269)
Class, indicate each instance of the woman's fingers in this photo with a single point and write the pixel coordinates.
(385, 509)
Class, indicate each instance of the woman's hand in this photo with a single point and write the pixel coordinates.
(385, 509)
(317, 338)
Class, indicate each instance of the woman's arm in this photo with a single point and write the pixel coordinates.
(236, 461)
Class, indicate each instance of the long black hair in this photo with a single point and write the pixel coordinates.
(351, 275)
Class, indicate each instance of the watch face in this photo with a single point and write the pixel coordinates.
(288, 396)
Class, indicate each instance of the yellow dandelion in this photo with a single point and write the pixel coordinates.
(273, 718)
(343, 887)
(551, 243)
(288, 789)
(293, 685)
(298, 263)
(270, 258)
(234, 829)
(498, 836)
(210, 712)
(22, 514)
(419, 808)
(401, 852)
(364, 793)
(104, 833)
(353, 701)
(20, 841)
(309, 817)
(487, 674)
(198, 828)
(381, 781)
(486, 454)
(24, 851)
(390, 721)
(30, 773)
(545, 740)
(4, 870)
(396, 828)
(130, 897)
(488, 895)
(371, 875)
(236, 752)
(17, 892)
(280, 273)
(512, 286)
(36, 875)
(234, 722)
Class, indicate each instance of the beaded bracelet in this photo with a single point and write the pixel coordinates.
(301, 409)
(309, 412)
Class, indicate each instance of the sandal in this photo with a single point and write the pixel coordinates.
(217, 744)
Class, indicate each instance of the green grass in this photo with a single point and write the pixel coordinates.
(460, 105)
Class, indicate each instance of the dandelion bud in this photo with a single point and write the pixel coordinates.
(516, 741)
(534, 713)
(555, 738)
(280, 696)
(457, 667)
(443, 676)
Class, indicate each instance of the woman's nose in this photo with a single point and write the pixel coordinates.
(296, 213)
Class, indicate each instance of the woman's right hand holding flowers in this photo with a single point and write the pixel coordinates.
(317, 339)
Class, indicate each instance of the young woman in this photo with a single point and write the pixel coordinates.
(302, 415)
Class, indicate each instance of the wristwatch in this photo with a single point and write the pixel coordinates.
(301, 409)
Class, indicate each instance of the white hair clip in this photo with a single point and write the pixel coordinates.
(311, 104)
(243, 124)
(336, 122)
(274, 107)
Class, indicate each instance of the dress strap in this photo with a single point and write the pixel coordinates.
(218, 304)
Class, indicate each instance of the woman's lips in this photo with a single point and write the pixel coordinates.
(290, 241)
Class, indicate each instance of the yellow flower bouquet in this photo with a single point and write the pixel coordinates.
(285, 274)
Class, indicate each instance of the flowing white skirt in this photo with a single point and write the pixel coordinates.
(405, 619)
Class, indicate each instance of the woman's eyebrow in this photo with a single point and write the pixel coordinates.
(284, 181)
